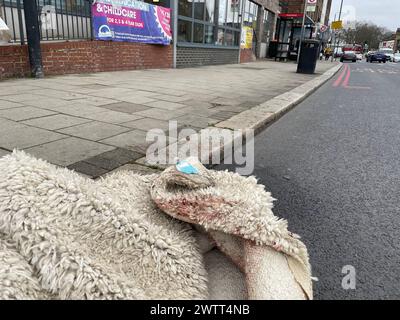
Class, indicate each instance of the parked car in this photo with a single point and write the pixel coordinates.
(338, 53)
(396, 57)
(377, 56)
(388, 52)
(359, 56)
(348, 56)
(368, 54)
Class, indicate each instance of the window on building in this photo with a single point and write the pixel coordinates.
(209, 35)
(210, 11)
(250, 14)
(185, 8)
(184, 31)
(198, 33)
(268, 22)
(211, 22)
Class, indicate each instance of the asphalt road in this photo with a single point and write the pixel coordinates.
(333, 163)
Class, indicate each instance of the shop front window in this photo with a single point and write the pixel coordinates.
(185, 8)
(198, 33)
(220, 40)
(184, 31)
(267, 21)
(209, 34)
(250, 14)
(229, 38)
(211, 22)
(210, 11)
(222, 12)
(199, 9)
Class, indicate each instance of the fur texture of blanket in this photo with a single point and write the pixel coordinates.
(127, 236)
(64, 236)
(237, 213)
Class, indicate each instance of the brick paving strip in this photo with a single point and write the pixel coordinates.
(97, 123)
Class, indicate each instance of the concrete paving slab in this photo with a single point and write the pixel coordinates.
(138, 99)
(78, 110)
(4, 104)
(114, 158)
(196, 121)
(47, 102)
(87, 169)
(160, 114)
(133, 140)
(111, 93)
(94, 130)
(24, 113)
(59, 94)
(7, 125)
(95, 101)
(113, 117)
(20, 97)
(146, 124)
(24, 137)
(166, 105)
(54, 122)
(136, 168)
(126, 107)
(169, 98)
(68, 151)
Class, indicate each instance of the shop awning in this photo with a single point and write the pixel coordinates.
(296, 16)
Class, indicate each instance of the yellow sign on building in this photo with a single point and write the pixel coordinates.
(246, 39)
(337, 25)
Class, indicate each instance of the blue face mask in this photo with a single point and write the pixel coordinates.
(185, 167)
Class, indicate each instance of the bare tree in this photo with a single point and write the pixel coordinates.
(366, 33)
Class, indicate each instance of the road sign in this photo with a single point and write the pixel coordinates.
(311, 8)
(323, 28)
(311, 5)
(336, 25)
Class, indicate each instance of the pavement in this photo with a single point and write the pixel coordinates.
(333, 163)
(97, 123)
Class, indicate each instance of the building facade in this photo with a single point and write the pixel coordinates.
(290, 23)
(320, 15)
(397, 41)
(210, 31)
(205, 32)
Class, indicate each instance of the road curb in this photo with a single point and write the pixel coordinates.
(256, 118)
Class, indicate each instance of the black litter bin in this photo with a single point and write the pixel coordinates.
(273, 49)
(309, 54)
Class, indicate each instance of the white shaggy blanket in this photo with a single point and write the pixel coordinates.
(63, 236)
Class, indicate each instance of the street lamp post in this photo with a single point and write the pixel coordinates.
(302, 30)
(338, 37)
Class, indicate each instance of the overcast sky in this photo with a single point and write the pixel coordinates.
(384, 13)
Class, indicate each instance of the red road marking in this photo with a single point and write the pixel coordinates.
(339, 80)
(345, 84)
(347, 79)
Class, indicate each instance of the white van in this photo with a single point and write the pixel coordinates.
(388, 52)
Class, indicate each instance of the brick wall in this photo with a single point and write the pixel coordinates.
(247, 55)
(14, 61)
(85, 57)
(191, 57)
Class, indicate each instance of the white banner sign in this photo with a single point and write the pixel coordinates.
(3, 25)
